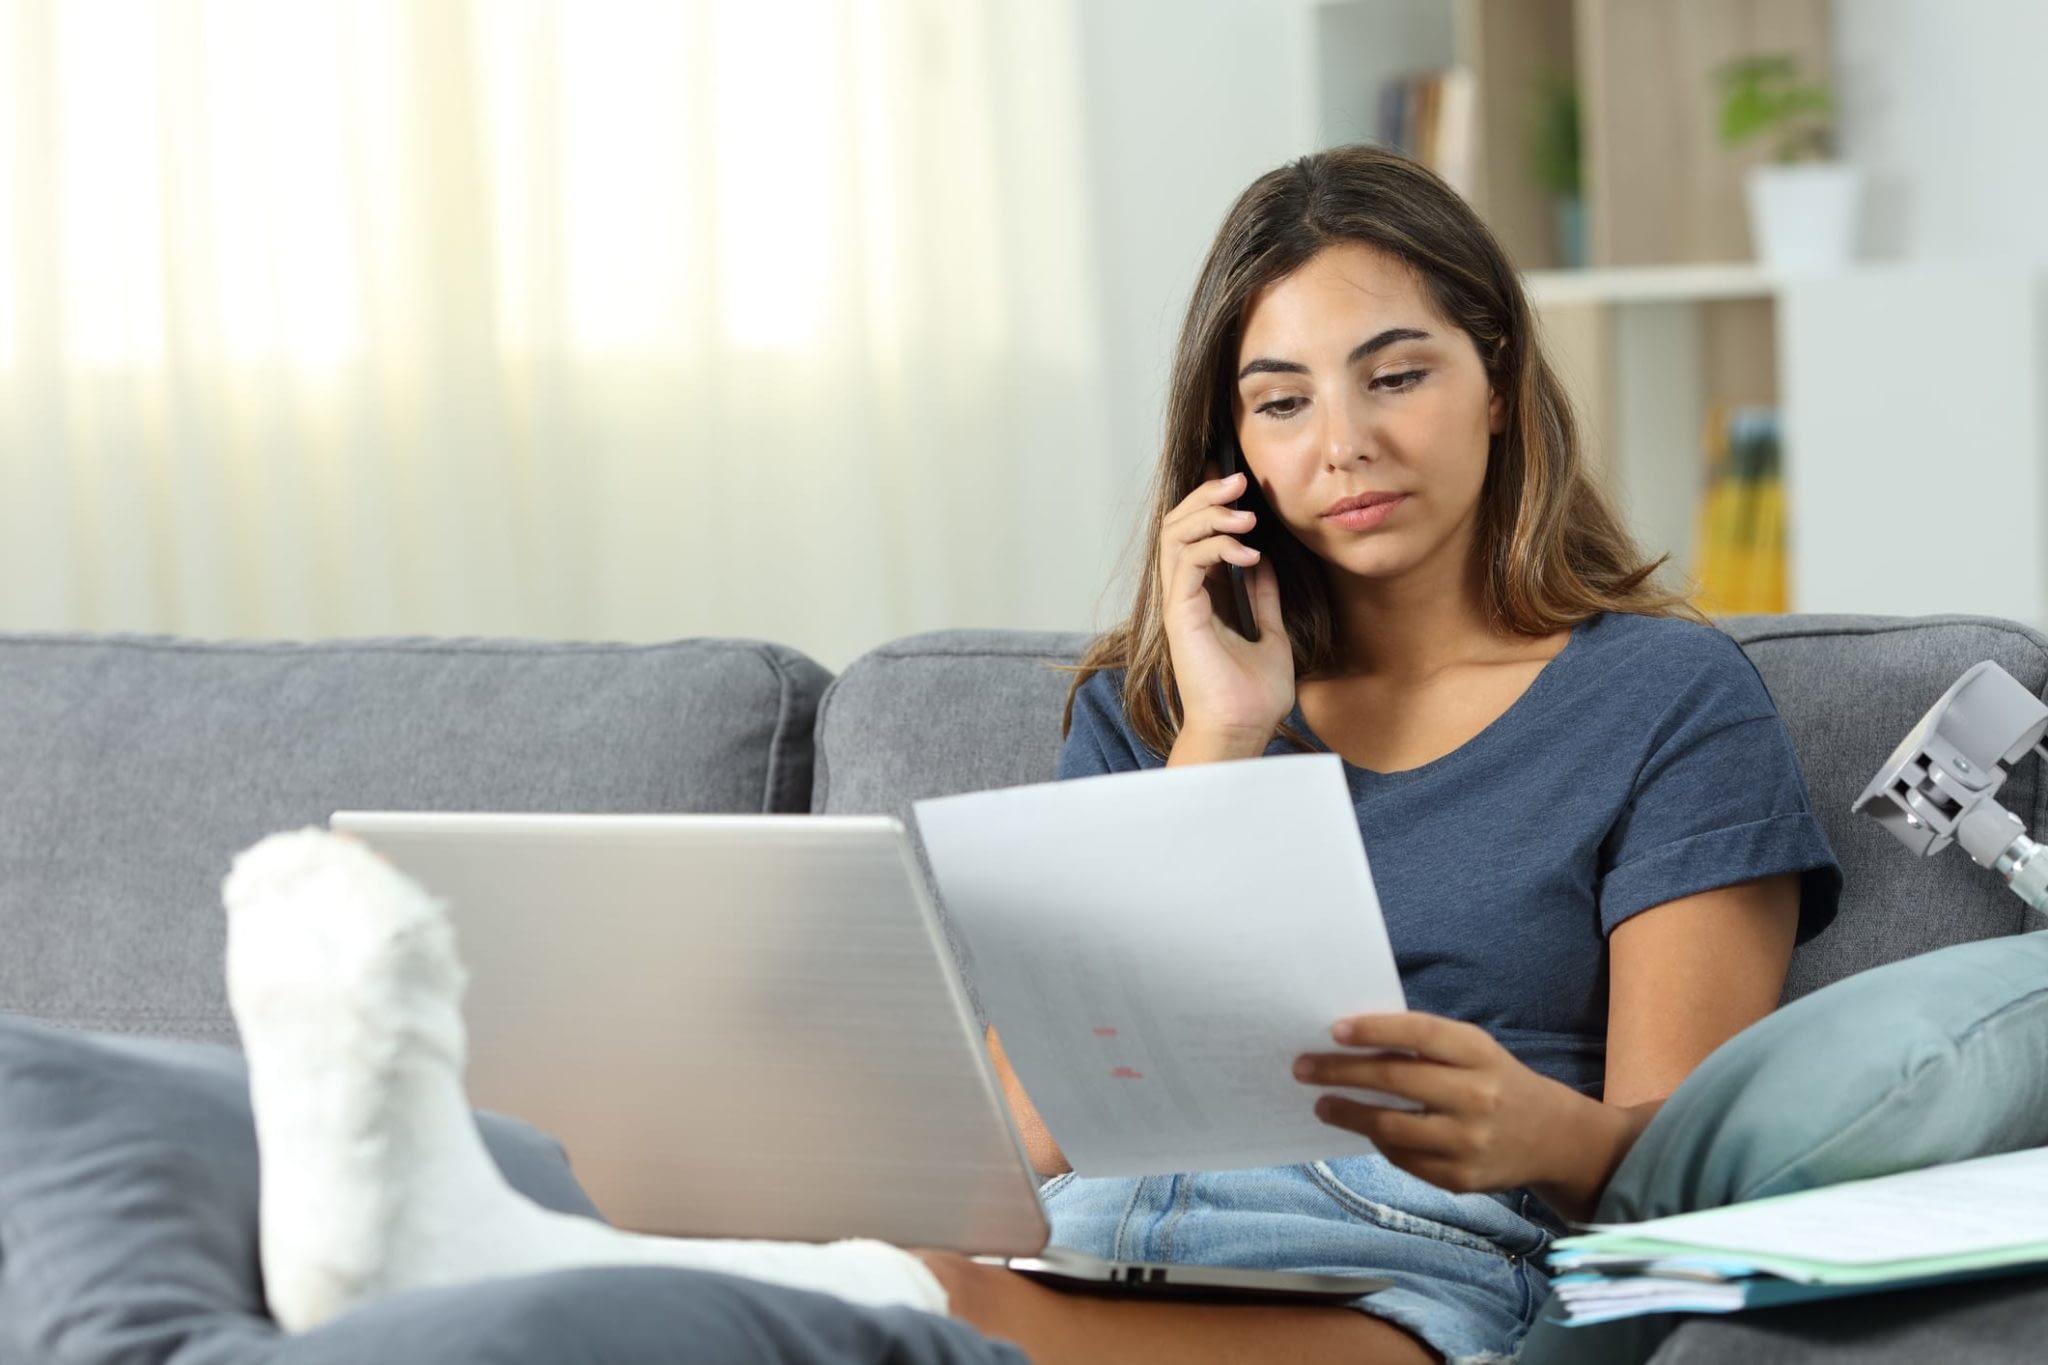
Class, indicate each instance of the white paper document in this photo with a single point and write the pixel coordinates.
(1965, 1208)
(1156, 948)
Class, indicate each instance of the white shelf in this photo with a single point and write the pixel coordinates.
(1652, 284)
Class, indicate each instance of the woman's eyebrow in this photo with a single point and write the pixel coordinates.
(1267, 365)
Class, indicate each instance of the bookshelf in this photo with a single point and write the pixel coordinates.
(1912, 414)
(1912, 397)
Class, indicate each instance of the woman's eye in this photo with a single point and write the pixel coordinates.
(1399, 383)
(1291, 404)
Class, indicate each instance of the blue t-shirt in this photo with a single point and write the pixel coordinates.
(1645, 762)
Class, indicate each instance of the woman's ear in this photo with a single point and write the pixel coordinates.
(1496, 414)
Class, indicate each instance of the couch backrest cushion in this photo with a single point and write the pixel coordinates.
(132, 769)
(955, 711)
(1850, 687)
(940, 713)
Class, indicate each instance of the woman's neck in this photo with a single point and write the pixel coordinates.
(1410, 628)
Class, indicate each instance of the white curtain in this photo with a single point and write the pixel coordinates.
(573, 318)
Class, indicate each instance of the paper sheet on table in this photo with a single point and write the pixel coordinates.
(1156, 948)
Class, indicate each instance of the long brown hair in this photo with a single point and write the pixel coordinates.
(1555, 551)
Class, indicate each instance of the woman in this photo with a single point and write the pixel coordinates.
(1587, 826)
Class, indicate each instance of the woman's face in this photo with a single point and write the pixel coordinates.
(1349, 383)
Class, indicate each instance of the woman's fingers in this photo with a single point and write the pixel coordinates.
(1219, 488)
(1445, 1089)
(1195, 529)
(1201, 516)
(1212, 494)
(1394, 1129)
(1201, 533)
(1191, 568)
(1430, 1147)
(1419, 1032)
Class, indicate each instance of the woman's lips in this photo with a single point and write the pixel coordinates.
(1365, 518)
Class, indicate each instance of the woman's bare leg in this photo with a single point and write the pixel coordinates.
(1056, 1327)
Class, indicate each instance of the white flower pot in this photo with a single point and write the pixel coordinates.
(1803, 216)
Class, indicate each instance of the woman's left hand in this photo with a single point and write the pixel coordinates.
(1487, 1121)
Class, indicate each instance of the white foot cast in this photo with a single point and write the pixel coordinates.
(345, 984)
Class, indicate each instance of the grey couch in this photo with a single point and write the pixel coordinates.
(132, 768)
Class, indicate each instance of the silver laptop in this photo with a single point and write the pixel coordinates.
(750, 1026)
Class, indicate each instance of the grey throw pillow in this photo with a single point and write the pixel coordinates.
(128, 1198)
(128, 1187)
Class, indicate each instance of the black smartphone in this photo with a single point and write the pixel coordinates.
(1241, 599)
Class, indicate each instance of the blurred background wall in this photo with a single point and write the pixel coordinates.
(829, 320)
(1945, 108)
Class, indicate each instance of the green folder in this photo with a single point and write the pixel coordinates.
(1642, 1250)
(1737, 1295)
(1968, 1220)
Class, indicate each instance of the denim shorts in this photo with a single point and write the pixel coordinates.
(1466, 1267)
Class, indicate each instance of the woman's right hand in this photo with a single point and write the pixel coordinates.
(1233, 693)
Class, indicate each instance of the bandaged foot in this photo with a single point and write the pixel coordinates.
(346, 987)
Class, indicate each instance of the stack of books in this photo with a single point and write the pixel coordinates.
(1970, 1220)
(1430, 116)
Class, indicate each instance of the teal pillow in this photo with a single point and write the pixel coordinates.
(1936, 1058)
(1932, 1059)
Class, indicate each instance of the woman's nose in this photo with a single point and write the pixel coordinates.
(1347, 434)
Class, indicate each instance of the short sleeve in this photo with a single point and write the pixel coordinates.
(1099, 740)
(1718, 799)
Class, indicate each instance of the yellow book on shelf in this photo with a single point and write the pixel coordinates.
(1739, 564)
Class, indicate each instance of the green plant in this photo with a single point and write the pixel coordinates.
(1554, 133)
(1763, 96)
